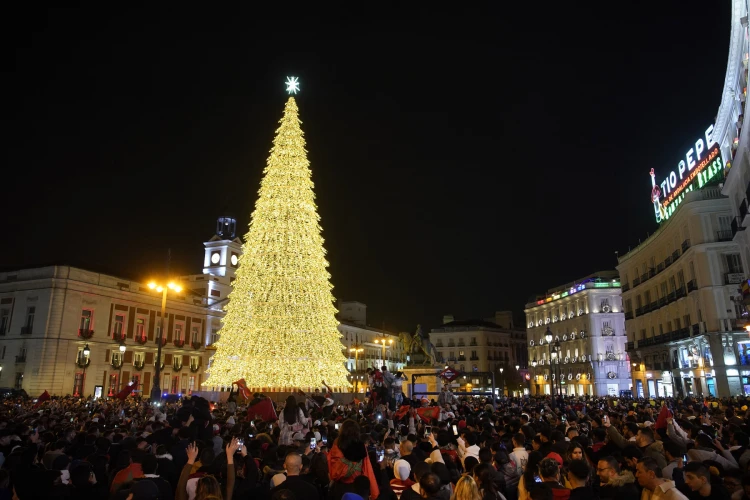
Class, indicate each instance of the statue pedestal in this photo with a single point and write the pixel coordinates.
(424, 383)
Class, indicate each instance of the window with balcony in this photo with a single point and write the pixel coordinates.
(681, 278)
(195, 335)
(87, 315)
(214, 335)
(638, 303)
(119, 325)
(140, 328)
(664, 291)
(677, 324)
(4, 321)
(452, 355)
(733, 262)
(669, 326)
(178, 332)
(30, 313)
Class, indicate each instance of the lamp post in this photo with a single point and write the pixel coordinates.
(556, 348)
(356, 349)
(383, 342)
(502, 389)
(156, 389)
(536, 380)
(122, 360)
(86, 353)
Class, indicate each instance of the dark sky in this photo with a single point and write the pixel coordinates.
(464, 160)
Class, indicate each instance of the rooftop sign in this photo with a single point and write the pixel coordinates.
(701, 164)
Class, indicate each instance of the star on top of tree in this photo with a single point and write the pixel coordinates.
(292, 84)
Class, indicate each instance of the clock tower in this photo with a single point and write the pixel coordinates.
(223, 250)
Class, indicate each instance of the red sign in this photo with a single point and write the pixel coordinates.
(449, 374)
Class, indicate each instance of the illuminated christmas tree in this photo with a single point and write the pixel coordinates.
(280, 330)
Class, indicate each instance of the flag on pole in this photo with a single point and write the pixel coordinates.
(263, 410)
(41, 399)
(428, 413)
(243, 388)
(130, 387)
(401, 412)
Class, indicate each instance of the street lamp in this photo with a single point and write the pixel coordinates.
(156, 389)
(356, 349)
(502, 389)
(383, 341)
(122, 360)
(86, 353)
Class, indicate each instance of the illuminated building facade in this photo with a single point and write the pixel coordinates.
(576, 338)
(683, 286)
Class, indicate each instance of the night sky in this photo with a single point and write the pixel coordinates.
(463, 160)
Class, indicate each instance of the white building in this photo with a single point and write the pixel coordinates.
(481, 345)
(683, 286)
(49, 315)
(586, 321)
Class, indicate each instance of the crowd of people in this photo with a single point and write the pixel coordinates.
(311, 447)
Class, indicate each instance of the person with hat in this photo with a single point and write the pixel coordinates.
(401, 480)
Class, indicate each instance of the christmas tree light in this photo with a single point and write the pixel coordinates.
(280, 331)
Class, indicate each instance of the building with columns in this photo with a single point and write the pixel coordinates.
(576, 338)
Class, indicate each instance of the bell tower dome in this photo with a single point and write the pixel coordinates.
(223, 250)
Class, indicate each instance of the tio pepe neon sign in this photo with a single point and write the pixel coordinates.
(700, 165)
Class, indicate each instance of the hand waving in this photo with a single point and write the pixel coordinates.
(231, 448)
(192, 452)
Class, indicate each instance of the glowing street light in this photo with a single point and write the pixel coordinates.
(156, 389)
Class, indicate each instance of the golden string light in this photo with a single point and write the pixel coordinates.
(280, 330)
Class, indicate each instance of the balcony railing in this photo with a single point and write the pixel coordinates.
(629, 315)
(636, 282)
(85, 333)
(724, 235)
(473, 343)
(118, 337)
(680, 334)
(196, 344)
(685, 245)
(474, 358)
(179, 342)
(681, 292)
(692, 285)
(625, 287)
(737, 226)
(630, 346)
(644, 277)
(462, 358)
(21, 358)
(26, 330)
(734, 278)
(659, 267)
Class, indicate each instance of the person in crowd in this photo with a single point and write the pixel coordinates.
(613, 483)
(348, 459)
(700, 485)
(291, 421)
(466, 489)
(648, 474)
(578, 476)
(294, 482)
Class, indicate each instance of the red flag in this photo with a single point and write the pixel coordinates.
(264, 410)
(661, 420)
(130, 387)
(401, 412)
(41, 399)
(243, 388)
(357, 401)
(428, 413)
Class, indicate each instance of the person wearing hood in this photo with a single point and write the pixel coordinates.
(644, 439)
(613, 484)
(401, 481)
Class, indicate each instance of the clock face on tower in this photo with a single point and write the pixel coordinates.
(215, 258)
(234, 259)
